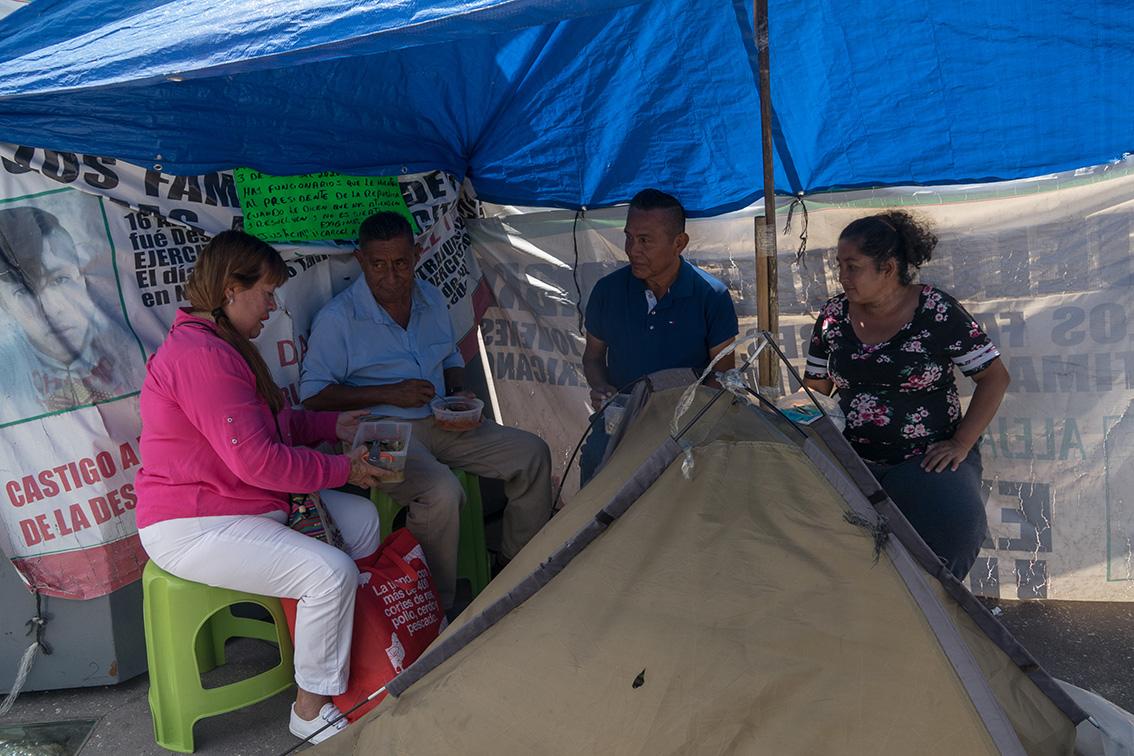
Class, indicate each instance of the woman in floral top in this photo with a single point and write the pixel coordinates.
(889, 346)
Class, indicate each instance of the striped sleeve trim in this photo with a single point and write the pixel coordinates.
(978, 359)
(816, 367)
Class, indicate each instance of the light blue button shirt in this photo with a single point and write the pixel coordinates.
(355, 342)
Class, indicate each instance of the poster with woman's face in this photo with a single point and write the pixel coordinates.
(66, 341)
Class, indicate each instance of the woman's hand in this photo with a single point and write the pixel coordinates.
(347, 424)
(991, 383)
(362, 473)
(949, 453)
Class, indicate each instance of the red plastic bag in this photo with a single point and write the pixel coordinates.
(397, 614)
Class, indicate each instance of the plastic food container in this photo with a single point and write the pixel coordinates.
(456, 413)
(388, 443)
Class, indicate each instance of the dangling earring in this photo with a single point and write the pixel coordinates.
(230, 300)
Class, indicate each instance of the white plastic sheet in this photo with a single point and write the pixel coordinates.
(1045, 265)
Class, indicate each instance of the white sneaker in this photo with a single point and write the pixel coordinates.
(303, 728)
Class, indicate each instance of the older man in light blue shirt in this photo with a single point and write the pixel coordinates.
(355, 342)
(386, 344)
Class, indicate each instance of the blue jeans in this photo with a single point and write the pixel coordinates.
(945, 508)
(593, 448)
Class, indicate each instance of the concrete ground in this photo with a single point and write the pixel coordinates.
(1087, 644)
(123, 715)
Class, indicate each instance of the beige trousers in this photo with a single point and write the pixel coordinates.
(434, 496)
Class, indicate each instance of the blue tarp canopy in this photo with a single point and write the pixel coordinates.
(548, 102)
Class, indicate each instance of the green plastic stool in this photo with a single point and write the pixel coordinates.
(472, 553)
(187, 625)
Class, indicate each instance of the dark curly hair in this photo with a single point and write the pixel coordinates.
(894, 234)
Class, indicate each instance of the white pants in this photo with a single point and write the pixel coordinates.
(260, 554)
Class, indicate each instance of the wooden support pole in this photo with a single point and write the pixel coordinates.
(767, 305)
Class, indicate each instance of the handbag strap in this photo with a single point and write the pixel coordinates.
(331, 533)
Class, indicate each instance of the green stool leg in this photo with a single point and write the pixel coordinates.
(206, 651)
(180, 616)
(387, 509)
(472, 553)
(472, 556)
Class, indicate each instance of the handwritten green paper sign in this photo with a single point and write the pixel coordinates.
(315, 207)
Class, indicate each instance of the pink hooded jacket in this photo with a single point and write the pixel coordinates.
(209, 444)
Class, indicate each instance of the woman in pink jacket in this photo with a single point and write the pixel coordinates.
(221, 454)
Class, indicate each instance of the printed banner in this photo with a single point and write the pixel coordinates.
(1044, 265)
(532, 330)
(94, 258)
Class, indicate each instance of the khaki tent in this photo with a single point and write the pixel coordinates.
(743, 609)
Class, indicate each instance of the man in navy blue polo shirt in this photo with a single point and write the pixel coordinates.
(658, 312)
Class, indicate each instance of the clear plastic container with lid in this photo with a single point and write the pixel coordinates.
(456, 413)
(388, 444)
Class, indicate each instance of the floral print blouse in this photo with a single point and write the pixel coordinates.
(899, 396)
